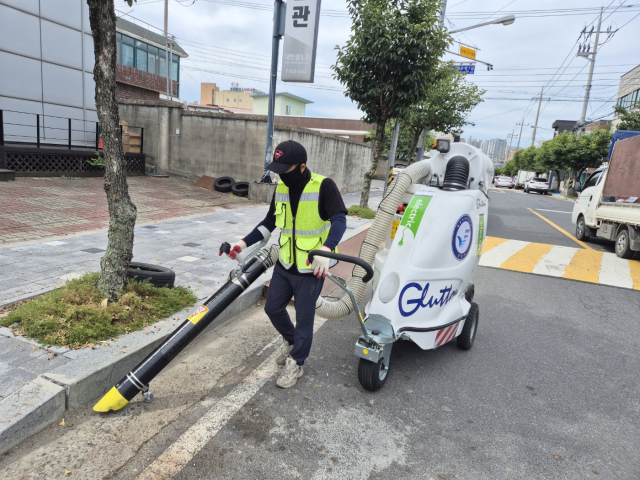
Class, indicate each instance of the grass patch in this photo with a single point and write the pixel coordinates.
(356, 211)
(72, 316)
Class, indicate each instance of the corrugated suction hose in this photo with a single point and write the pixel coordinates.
(386, 211)
(456, 175)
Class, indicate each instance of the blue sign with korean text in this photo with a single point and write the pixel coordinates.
(468, 69)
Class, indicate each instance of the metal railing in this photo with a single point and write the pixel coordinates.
(48, 131)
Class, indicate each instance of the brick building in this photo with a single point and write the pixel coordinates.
(141, 70)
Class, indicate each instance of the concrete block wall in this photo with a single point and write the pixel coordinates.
(192, 144)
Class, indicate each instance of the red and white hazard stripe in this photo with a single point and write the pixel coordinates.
(446, 334)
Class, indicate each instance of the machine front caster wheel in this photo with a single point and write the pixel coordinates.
(372, 376)
(468, 335)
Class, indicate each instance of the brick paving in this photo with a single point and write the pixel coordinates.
(35, 209)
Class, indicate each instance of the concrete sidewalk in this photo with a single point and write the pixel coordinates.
(188, 246)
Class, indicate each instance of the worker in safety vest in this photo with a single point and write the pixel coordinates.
(311, 215)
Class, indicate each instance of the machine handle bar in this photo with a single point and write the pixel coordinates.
(345, 258)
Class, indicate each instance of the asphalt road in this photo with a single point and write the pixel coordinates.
(549, 391)
(511, 218)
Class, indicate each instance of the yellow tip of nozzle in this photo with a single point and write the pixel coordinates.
(111, 401)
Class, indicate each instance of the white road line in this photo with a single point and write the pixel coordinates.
(556, 211)
(500, 254)
(615, 271)
(180, 453)
(554, 262)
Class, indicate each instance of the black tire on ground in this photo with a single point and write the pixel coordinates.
(158, 276)
(546, 192)
(581, 230)
(623, 246)
(373, 376)
(527, 191)
(468, 335)
(224, 184)
(240, 189)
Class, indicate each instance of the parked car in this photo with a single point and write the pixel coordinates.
(503, 181)
(537, 184)
(523, 177)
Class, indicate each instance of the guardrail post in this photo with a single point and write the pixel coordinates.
(38, 131)
(97, 135)
(141, 140)
(1, 128)
(69, 134)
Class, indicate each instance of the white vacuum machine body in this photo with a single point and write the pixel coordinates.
(422, 282)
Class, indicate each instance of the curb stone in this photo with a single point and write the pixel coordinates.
(46, 399)
(26, 412)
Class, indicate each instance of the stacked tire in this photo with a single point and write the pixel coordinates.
(228, 184)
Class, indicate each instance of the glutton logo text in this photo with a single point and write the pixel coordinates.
(418, 296)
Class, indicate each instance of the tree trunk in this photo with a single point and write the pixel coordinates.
(557, 180)
(414, 145)
(378, 150)
(122, 212)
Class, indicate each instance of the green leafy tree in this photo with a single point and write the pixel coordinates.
(590, 150)
(510, 168)
(525, 159)
(122, 212)
(387, 63)
(446, 105)
(629, 120)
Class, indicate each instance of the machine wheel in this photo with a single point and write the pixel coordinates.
(372, 376)
(468, 335)
(581, 230)
(224, 184)
(623, 246)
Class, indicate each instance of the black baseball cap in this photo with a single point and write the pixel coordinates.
(286, 154)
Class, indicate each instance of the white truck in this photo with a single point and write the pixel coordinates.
(523, 177)
(608, 204)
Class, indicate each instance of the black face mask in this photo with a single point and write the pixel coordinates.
(294, 178)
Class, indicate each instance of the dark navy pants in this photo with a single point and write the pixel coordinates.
(306, 290)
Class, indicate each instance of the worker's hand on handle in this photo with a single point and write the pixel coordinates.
(320, 265)
(236, 248)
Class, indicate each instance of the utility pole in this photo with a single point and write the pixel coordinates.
(166, 40)
(392, 155)
(535, 129)
(279, 15)
(584, 54)
(520, 136)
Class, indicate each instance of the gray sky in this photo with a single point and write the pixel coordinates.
(230, 40)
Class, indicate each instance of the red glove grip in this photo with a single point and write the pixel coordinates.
(234, 251)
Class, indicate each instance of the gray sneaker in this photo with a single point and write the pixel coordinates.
(283, 352)
(290, 374)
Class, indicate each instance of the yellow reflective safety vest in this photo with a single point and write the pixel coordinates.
(304, 232)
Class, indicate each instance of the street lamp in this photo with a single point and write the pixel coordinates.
(508, 20)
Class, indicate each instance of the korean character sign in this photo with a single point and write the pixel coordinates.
(300, 40)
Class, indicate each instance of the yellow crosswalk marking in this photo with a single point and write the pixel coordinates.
(491, 242)
(584, 266)
(526, 259)
(635, 273)
(561, 262)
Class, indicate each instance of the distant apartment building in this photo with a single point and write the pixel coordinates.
(141, 70)
(236, 97)
(473, 142)
(495, 149)
(286, 104)
(628, 92)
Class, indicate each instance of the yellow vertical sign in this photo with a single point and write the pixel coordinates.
(467, 52)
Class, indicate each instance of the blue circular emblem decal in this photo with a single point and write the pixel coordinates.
(462, 237)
